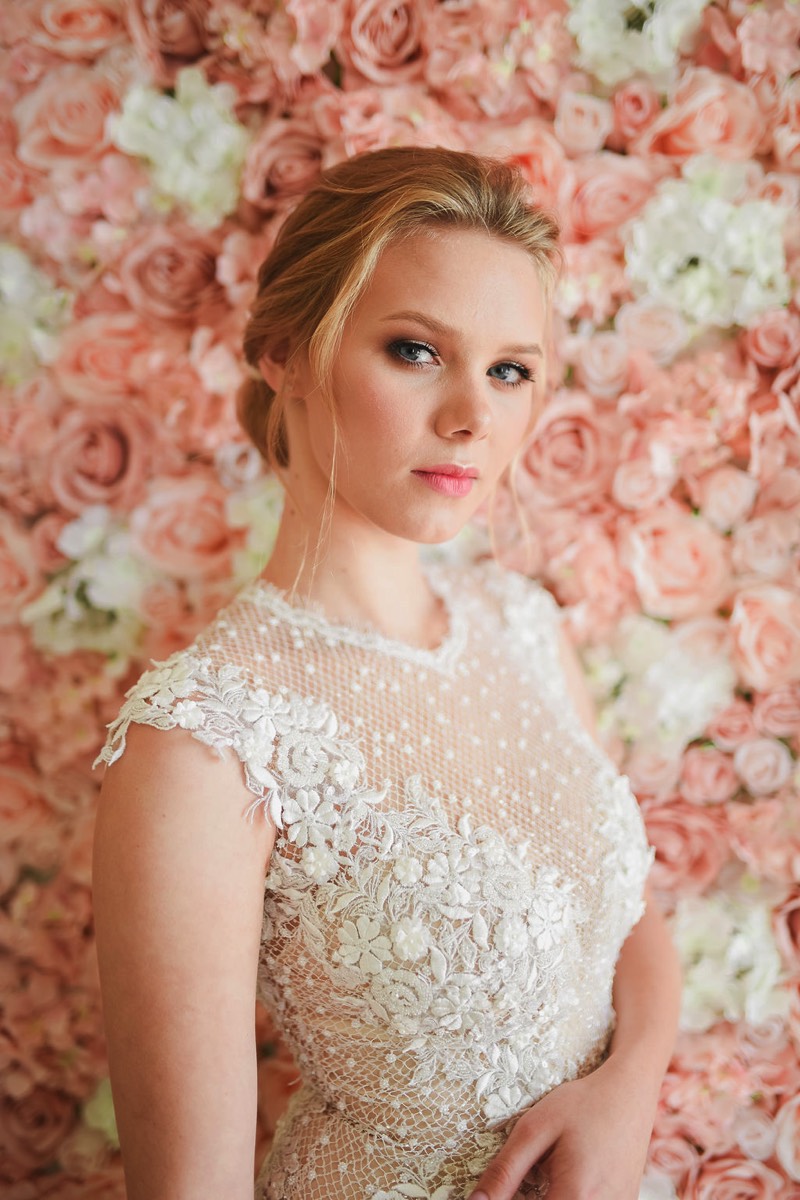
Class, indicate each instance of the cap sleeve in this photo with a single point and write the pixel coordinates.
(217, 707)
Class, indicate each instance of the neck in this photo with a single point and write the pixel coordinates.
(357, 574)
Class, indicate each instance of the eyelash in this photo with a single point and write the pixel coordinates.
(527, 375)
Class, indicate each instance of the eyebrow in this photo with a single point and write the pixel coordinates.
(410, 314)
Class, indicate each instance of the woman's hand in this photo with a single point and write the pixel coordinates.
(589, 1137)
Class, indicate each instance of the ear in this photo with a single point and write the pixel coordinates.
(273, 371)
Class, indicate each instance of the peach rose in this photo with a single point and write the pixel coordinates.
(671, 1153)
(102, 456)
(767, 1050)
(169, 35)
(679, 562)
(725, 496)
(101, 358)
(786, 922)
(710, 113)
(582, 122)
(777, 713)
(169, 275)
(765, 632)
(62, 122)
(707, 776)
(773, 340)
(636, 104)
(16, 185)
(643, 481)
(594, 281)
(690, 844)
(764, 547)
(381, 42)
(786, 135)
(181, 528)
(653, 327)
(282, 163)
(769, 41)
(572, 454)
(80, 29)
(531, 146)
(20, 579)
(609, 189)
(652, 774)
(766, 836)
(702, 637)
(787, 1147)
(764, 765)
(14, 665)
(733, 1178)
(32, 1128)
(603, 364)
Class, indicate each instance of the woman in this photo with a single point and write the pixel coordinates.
(447, 894)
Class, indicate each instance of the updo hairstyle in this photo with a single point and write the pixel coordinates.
(327, 249)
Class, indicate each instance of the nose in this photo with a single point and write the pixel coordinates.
(465, 411)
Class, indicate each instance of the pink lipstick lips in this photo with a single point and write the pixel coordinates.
(450, 479)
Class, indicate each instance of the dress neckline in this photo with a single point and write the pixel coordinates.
(308, 616)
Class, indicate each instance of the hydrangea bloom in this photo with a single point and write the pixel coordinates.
(618, 39)
(193, 144)
(32, 312)
(697, 247)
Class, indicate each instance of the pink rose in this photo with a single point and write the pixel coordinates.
(765, 835)
(102, 456)
(786, 922)
(769, 41)
(710, 113)
(765, 632)
(777, 713)
(169, 275)
(636, 104)
(771, 1058)
(609, 189)
(653, 327)
(16, 186)
(642, 481)
(169, 36)
(679, 562)
(774, 339)
(786, 135)
(603, 364)
(182, 529)
(652, 774)
(100, 358)
(44, 542)
(764, 547)
(381, 41)
(670, 1152)
(764, 765)
(594, 281)
(571, 457)
(317, 27)
(80, 29)
(282, 163)
(582, 121)
(702, 637)
(732, 1178)
(707, 776)
(32, 1128)
(531, 146)
(725, 496)
(586, 572)
(62, 122)
(690, 844)
(20, 579)
(787, 1147)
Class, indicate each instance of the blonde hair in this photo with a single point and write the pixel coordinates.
(328, 247)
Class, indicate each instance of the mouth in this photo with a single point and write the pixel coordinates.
(448, 479)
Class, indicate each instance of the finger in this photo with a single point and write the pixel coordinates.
(508, 1168)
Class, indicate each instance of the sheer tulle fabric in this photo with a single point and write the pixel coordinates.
(456, 868)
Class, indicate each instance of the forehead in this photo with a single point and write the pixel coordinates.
(470, 274)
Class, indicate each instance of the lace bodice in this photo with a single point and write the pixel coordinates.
(456, 867)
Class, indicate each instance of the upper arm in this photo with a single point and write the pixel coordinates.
(178, 890)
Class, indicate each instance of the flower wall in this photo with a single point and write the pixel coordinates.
(148, 154)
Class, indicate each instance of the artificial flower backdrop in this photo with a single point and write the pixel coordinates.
(149, 151)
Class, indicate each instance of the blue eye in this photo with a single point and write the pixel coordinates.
(525, 375)
(399, 349)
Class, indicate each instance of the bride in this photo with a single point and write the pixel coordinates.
(370, 791)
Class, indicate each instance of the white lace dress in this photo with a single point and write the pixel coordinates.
(456, 868)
